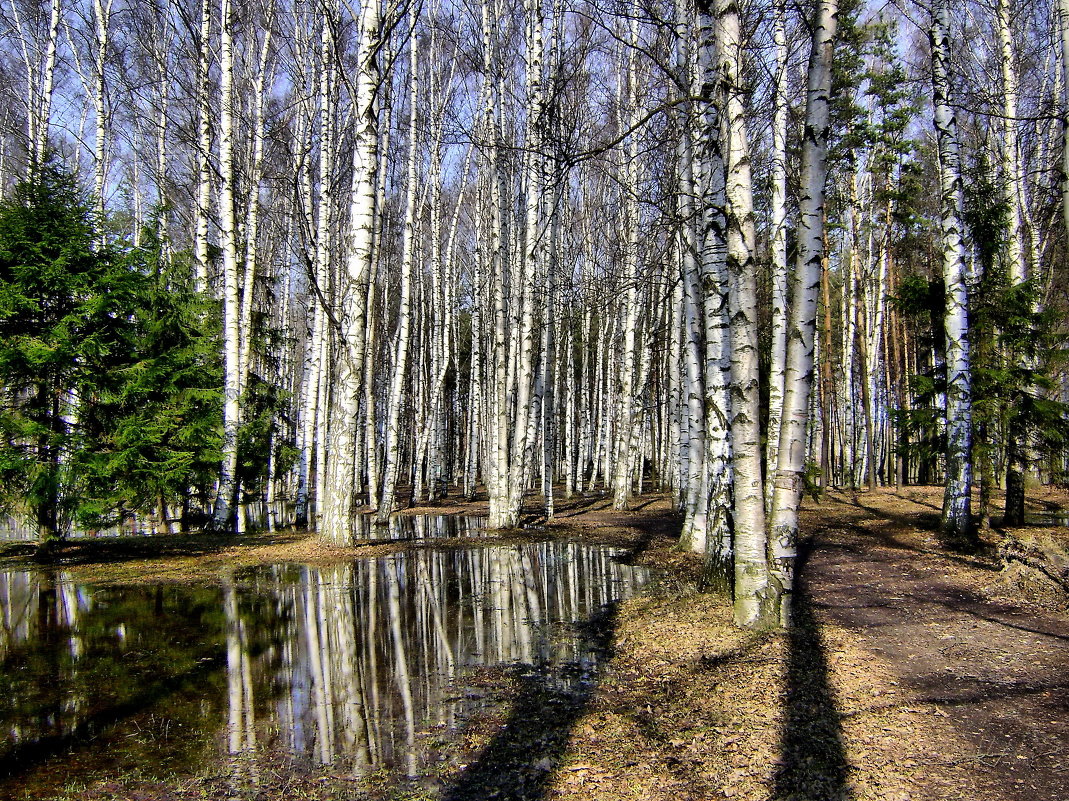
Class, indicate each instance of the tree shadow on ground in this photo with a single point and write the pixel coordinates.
(519, 761)
(925, 521)
(813, 757)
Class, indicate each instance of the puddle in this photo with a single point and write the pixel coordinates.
(402, 528)
(1060, 519)
(368, 666)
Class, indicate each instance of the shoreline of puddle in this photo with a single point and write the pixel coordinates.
(345, 665)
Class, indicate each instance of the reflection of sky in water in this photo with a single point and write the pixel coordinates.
(341, 664)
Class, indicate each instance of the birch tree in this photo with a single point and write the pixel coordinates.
(227, 489)
(790, 464)
(338, 489)
(402, 335)
(957, 502)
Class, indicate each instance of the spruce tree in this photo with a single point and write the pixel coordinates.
(64, 319)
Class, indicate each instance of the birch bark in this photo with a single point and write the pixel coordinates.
(44, 116)
(227, 486)
(1011, 148)
(750, 539)
(777, 367)
(404, 313)
(339, 487)
(790, 466)
(711, 179)
(957, 504)
(627, 432)
(204, 148)
(102, 27)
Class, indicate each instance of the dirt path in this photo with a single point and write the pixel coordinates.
(909, 676)
(997, 670)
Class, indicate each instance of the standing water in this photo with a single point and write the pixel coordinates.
(351, 666)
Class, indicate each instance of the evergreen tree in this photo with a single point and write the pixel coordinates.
(64, 320)
(109, 370)
(1014, 343)
(154, 441)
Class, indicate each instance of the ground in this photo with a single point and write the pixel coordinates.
(911, 672)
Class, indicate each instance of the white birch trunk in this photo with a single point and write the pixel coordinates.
(44, 117)
(339, 488)
(778, 253)
(399, 376)
(102, 19)
(627, 431)
(790, 466)
(1011, 149)
(227, 486)
(204, 147)
(711, 180)
(957, 504)
(264, 78)
(751, 562)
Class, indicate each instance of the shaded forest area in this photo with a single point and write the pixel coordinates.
(285, 263)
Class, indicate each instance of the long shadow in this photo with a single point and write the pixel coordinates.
(927, 522)
(664, 524)
(519, 761)
(958, 599)
(813, 757)
(583, 502)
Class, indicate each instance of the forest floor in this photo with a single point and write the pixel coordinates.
(911, 672)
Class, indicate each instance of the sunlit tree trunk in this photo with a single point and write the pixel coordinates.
(790, 466)
(102, 28)
(750, 544)
(264, 77)
(227, 486)
(44, 116)
(777, 364)
(626, 446)
(399, 376)
(1011, 149)
(339, 486)
(711, 183)
(204, 148)
(528, 268)
(957, 504)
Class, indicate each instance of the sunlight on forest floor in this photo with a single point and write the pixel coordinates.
(912, 673)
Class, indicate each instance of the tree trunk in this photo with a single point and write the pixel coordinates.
(956, 524)
(402, 336)
(339, 484)
(778, 246)
(790, 469)
(227, 487)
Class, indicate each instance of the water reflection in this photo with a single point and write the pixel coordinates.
(346, 665)
(1055, 518)
(367, 528)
